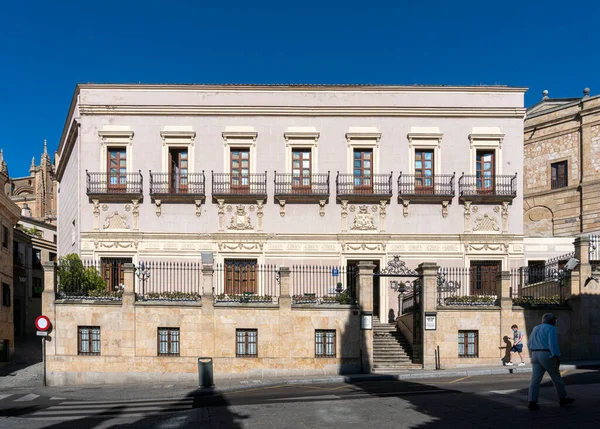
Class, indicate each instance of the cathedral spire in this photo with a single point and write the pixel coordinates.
(45, 157)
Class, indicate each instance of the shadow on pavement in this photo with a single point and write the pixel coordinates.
(28, 352)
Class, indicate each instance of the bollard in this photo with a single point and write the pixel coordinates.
(205, 373)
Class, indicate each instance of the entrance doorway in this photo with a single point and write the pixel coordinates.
(351, 268)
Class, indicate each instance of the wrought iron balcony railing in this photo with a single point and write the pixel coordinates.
(298, 187)
(239, 186)
(191, 185)
(366, 187)
(417, 187)
(492, 188)
(126, 185)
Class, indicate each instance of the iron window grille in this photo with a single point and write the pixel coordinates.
(88, 338)
(560, 175)
(324, 343)
(247, 340)
(468, 344)
(168, 341)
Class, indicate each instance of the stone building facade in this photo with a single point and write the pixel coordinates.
(562, 168)
(284, 176)
(9, 215)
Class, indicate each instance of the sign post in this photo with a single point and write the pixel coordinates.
(43, 325)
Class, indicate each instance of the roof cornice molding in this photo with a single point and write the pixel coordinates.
(305, 88)
(481, 112)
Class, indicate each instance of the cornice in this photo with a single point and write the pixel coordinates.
(303, 88)
(65, 155)
(172, 110)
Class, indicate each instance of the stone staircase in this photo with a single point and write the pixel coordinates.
(391, 351)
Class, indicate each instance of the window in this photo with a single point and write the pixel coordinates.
(36, 287)
(117, 168)
(246, 342)
(88, 338)
(484, 171)
(325, 343)
(178, 170)
(424, 171)
(363, 170)
(240, 169)
(113, 272)
(52, 257)
(468, 344)
(240, 276)
(36, 258)
(560, 177)
(5, 237)
(54, 239)
(483, 277)
(301, 168)
(5, 295)
(168, 341)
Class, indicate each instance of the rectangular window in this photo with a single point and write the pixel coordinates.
(363, 170)
(113, 272)
(247, 340)
(325, 343)
(117, 168)
(5, 237)
(36, 287)
(168, 341)
(240, 170)
(485, 172)
(483, 277)
(240, 276)
(560, 177)
(424, 171)
(178, 170)
(301, 168)
(468, 344)
(52, 257)
(88, 338)
(5, 295)
(36, 259)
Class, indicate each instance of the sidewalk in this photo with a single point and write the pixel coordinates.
(232, 384)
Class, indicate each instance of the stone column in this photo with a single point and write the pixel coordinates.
(286, 328)
(364, 291)
(48, 309)
(429, 271)
(128, 311)
(506, 314)
(207, 322)
(583, 271)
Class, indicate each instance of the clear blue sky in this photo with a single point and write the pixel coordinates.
(47, 47)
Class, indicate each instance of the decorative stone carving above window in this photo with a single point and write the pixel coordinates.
(116, 222)
(490, 138)
(363, 221)
(240, 220)
(365, 138)
(119, 136)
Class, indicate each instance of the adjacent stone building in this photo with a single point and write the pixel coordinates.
(9, 215)
(562, 167)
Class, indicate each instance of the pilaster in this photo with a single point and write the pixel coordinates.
(48, 309)
(429, 271)
(364, 292)
(128, 311)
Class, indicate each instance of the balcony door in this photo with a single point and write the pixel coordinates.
(240, 276)
(484, 172)
(240, 170)
(301, 170)
(363, 171)
(424, 178)
(113, 272)
(117, 170)
(483, 277)
(178, 171)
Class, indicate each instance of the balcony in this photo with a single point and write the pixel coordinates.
(239, 188)
(291, 188)
(363, 189)
(177, 188)
(487, 189)
(117, 188)
(426, 189)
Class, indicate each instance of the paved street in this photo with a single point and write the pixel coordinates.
(491, 401)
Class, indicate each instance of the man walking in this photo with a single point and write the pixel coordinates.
(545, 356)
(517, 346)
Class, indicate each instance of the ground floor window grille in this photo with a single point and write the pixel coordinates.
(247, 342)
(89, 340)
(325, 343)
(468, 344)
(168, 341)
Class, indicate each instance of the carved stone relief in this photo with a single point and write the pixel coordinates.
(96, 215)
(198, 204)
(116, 221)
(259, 213)
(486, 223)
(322, 207)
(135, 211)
(505, 217)
(344, 215)
(363, 220)
(240, 220)
(467, 207)
(382, 216)
(445, 208)
(157, 203)
(221, 213)
(282, 208)
(405, 204)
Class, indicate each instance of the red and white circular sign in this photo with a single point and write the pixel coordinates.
(42, 323)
